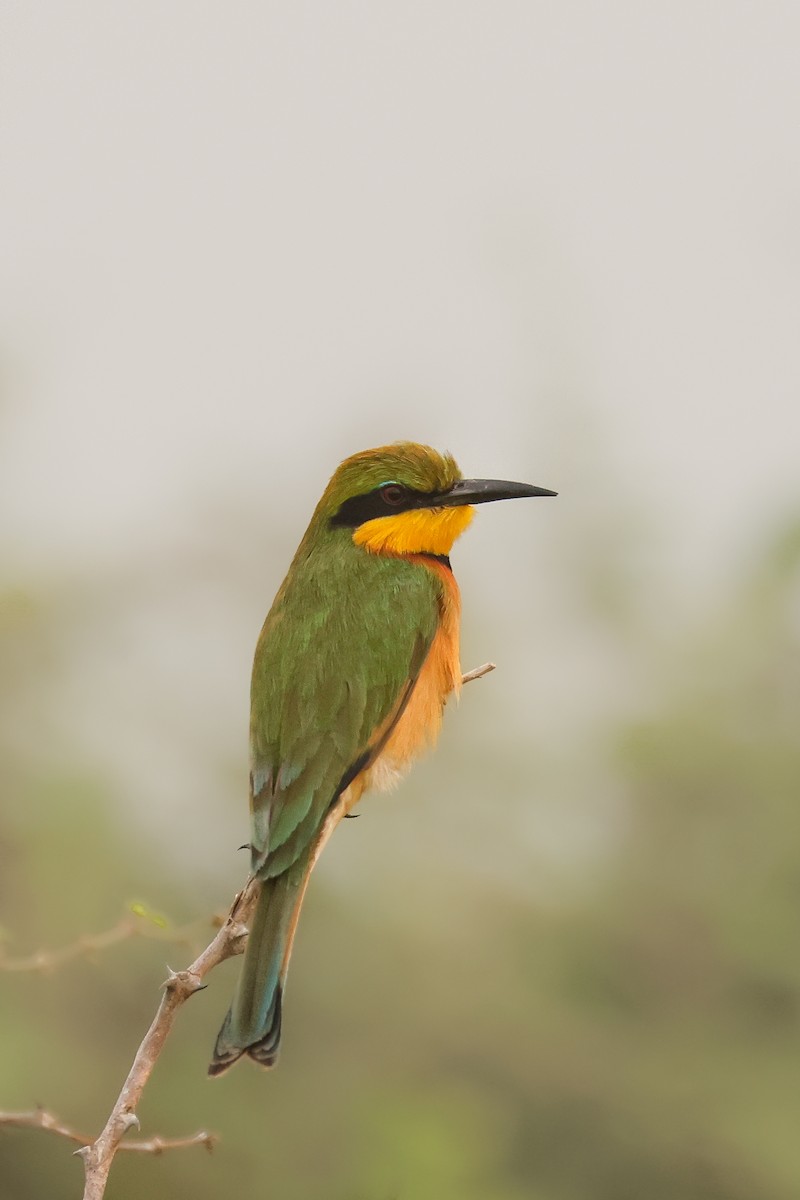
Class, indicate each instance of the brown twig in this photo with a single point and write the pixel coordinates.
(98, 1155)
(50, 1123)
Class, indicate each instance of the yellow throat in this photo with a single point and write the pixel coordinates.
(417, 531)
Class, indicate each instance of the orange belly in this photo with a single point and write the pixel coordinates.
(420, 724)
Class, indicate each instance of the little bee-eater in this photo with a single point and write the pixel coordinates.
(353, 667)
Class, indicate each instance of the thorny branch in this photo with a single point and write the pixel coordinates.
(180, 985)
(98, 1155)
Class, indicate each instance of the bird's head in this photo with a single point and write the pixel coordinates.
(408, 499)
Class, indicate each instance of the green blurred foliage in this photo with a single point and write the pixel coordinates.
(461, 1025)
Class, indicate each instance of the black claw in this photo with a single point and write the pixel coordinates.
(246, 846)
(351, 816)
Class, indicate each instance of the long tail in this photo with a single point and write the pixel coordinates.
(253, 1023)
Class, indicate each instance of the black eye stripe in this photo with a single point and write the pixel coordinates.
(358, 509)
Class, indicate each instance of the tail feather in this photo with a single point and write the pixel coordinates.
(253, 1022)
(225, 1053)
(265, 1052)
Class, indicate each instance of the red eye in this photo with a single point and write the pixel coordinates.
(393, 494)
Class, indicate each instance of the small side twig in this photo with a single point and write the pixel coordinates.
(40, 1118)
(477, 672)
(129, 926)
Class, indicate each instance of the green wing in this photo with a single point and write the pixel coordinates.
(339, 652)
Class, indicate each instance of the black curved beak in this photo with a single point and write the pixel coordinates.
(481, 491)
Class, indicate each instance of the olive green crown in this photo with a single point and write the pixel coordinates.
(420, 468)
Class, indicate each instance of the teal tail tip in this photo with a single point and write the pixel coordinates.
(263, 1051)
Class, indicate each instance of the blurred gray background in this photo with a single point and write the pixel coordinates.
(241, 242)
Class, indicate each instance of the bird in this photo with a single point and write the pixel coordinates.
(353, 667)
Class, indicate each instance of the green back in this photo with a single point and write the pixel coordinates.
(347, 633)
